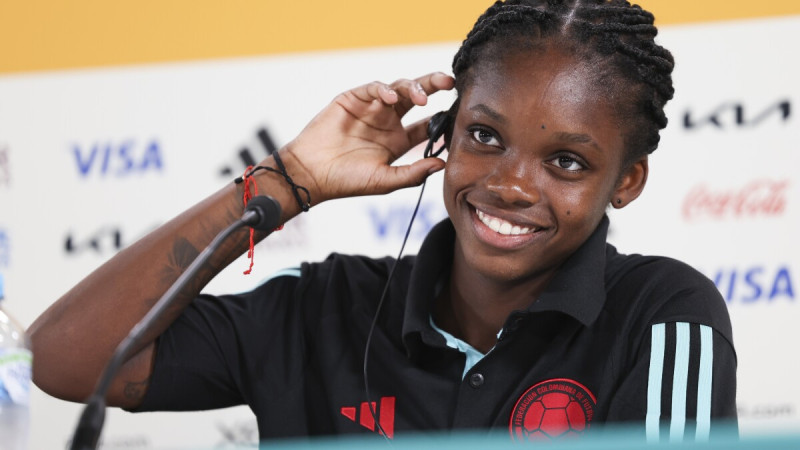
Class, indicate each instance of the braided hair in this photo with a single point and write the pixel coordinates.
(613, 35)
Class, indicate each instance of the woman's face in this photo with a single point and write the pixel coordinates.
(534, 160)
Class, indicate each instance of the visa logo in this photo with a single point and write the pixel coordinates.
(118, 159)
(5, 249)
(755, 284)
(392, 223)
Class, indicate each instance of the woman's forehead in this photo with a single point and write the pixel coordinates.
(553, 95)
(539, 79)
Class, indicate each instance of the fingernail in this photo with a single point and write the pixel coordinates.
(420, 89)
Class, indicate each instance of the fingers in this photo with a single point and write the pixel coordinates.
(376, 91)
(404, 94)
(372, 104)
(417, 132)
(416, 92)
(400, 177)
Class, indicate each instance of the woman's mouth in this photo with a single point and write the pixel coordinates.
(502, 234)
(501, 226)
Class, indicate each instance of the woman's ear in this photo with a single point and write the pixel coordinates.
(630, 184)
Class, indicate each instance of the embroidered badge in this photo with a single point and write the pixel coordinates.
(553, 409)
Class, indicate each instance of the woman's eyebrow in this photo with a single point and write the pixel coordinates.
(576, 138)
(494, 115)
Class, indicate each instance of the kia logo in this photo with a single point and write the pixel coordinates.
(737, 115)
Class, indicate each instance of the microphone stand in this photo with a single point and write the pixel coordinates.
(261, 213)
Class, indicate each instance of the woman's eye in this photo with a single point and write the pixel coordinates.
(568, 163)
(485, 137)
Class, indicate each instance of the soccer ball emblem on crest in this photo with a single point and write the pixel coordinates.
(552, 410)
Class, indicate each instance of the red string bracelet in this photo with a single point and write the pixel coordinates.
(304, 204)
(247, 177)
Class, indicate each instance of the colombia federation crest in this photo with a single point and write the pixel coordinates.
(553, 409)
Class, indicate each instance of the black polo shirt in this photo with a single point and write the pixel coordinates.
(613, 338)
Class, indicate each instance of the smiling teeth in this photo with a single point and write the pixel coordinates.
(501, 226)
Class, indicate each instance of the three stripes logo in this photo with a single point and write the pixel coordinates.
(363, 416)
(249, 158)
(679, 386)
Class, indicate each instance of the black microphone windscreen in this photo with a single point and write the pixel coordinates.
(269, 212)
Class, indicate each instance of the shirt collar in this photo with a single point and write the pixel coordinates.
(430, 272)
(578, 289)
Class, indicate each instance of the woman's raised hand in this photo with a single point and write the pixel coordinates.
(348, 148)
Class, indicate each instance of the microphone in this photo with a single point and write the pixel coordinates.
(262, 213)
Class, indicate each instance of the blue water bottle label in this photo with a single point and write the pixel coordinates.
(15, 376)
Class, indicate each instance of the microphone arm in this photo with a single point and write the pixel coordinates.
(262, 213)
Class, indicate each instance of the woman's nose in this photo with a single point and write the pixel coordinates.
(515, 182)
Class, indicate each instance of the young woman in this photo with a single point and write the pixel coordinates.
(515, 315)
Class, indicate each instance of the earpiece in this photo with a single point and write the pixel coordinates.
(437, 127)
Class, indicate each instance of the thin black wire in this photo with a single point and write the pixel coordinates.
(378, 310)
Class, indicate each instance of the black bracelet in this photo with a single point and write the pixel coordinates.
(281, 170)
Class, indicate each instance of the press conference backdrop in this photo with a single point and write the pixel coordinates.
(114, 116)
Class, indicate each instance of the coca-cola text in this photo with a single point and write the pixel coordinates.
(759, 198)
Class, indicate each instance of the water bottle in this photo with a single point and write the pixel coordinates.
(15, 380)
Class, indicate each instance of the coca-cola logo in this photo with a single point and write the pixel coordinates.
(759, 198)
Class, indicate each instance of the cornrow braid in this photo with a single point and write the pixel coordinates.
(615, 34)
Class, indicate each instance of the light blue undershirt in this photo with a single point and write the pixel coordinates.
(471, 353)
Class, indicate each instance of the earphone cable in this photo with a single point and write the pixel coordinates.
(378, 310)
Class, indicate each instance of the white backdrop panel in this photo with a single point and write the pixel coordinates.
(90, 160)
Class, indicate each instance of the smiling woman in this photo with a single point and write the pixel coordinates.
(516, 313)
(549, 164)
